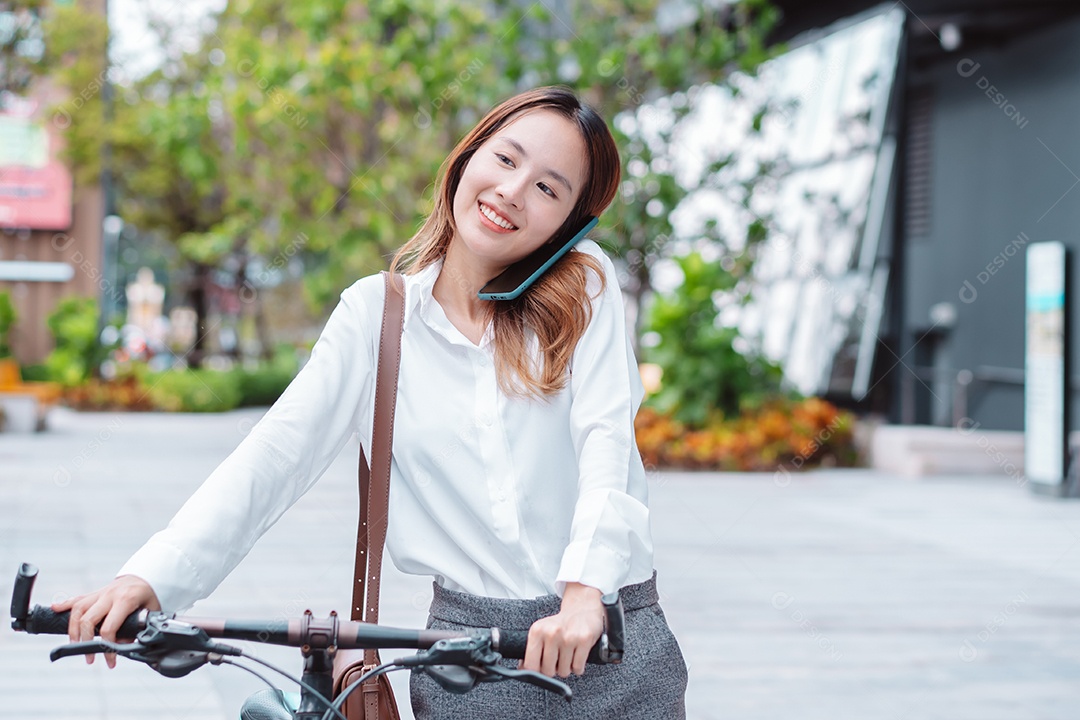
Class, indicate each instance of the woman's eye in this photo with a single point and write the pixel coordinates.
(546, 189)
(504, 159)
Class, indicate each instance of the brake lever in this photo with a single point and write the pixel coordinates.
(170, 662)
(530, 676)
(170, 647)
(456, 664)
(90, 648)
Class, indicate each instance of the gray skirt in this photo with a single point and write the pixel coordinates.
(649, 683)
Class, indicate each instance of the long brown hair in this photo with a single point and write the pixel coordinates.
(556, 309)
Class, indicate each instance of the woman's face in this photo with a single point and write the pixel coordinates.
(519, 188)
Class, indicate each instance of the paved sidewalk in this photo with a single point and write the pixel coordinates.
(841, 594)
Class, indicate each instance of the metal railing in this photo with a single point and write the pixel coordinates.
(961, 384)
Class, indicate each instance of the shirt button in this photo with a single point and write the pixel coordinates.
(485, 420)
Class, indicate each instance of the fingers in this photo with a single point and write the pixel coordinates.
(115, 615)
(112, 622)
(549, 657)
(573, 651)
(542, 650)
(64, 605)
(563, 660)
(580, 656)
(73, 624)
(555, 650)
(533, 650)
(90, 619)
(103, 612)
(67, 605)
(78, 607)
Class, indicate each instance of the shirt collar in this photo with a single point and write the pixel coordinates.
(421, 304)
(418, 287)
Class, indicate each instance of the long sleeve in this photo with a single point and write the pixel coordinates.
(281, 458)
(610, 540)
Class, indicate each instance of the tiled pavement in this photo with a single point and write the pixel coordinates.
(839, 594)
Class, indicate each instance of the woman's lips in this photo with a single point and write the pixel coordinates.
(490, 225)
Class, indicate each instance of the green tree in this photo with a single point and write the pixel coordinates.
(21, 45)
(317, 128)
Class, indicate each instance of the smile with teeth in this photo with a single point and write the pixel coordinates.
(496, 218)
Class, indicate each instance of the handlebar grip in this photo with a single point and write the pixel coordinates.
(43, 621)
(20, 594)
(512, 645)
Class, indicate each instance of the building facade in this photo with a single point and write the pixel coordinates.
(51, 231)
(986, 164)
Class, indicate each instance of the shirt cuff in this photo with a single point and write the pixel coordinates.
(169, 573)
(594, 564)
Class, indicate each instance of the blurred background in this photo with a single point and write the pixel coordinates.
(830, 204)
(845, 235)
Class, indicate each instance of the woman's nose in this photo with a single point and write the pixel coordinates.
(512, 189)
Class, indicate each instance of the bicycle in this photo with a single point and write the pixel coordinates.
(175, 646)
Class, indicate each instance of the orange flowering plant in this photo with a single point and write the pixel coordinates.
(716, 407)
(789, 433)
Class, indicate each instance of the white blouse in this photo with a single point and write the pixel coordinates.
(489, 494)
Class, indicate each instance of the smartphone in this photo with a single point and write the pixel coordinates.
(517, 278)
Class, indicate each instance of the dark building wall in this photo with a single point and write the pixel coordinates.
(996, 186)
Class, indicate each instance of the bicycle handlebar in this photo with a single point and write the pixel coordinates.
(508, 643)
(175, 646)
(307, 630)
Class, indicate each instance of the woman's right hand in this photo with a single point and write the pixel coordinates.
(108, 607)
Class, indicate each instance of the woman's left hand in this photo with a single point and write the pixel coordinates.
(560, 644)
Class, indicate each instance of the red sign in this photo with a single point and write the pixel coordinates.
(35, 187)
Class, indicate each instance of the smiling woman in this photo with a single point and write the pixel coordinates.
(535, 166)
(516, 482)
(509, 202)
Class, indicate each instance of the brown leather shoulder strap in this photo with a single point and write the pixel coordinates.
(375, 484)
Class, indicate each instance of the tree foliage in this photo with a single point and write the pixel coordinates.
(706, 376)
(21, 45)
(318, 127)
(79, 350)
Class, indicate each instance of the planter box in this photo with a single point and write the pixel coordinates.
(21, 413)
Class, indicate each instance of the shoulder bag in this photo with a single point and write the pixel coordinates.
(375, 698)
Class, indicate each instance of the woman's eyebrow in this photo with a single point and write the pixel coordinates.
(557, 175)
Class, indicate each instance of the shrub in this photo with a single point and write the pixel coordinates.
(263, 385)
(193, 390)
(7, 321)
(186, 390)
(704, 375)
(35, 373)
(79, 350)
(790, 434)
(126, 393)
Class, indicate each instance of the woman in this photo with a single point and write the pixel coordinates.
(516, 482)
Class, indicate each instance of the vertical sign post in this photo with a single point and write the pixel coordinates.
(1046, 380)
